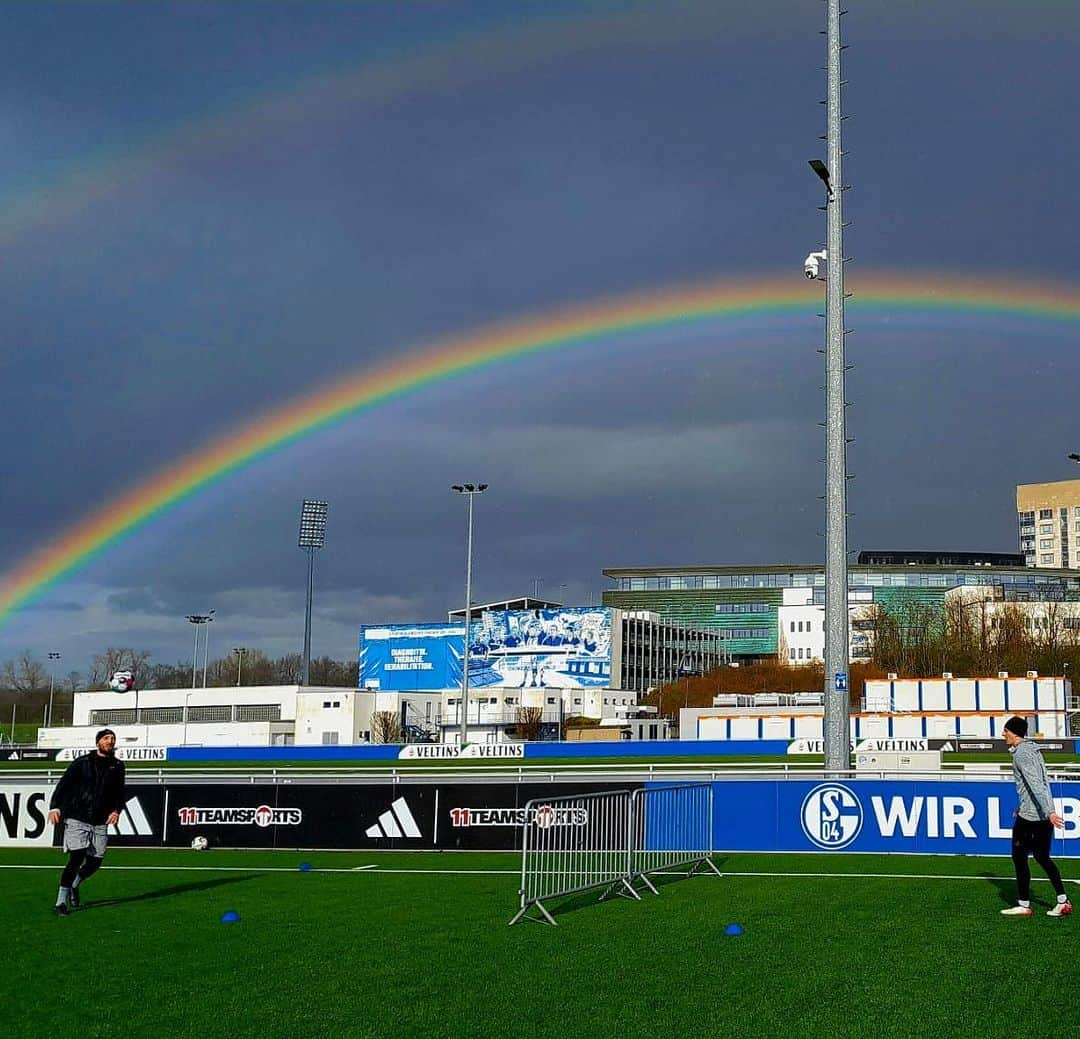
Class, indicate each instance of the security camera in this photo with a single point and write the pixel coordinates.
(814, 265)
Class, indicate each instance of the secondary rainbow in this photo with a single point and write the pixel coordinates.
(591, 325)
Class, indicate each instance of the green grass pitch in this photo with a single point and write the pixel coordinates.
(419, 946)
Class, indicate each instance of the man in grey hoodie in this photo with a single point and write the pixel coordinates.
(1035, 820)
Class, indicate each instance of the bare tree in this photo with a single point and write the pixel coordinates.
(105, 665)
(528, 722)
(24, 674)
(385, 727)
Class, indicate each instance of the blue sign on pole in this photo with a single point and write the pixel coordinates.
(840, 681)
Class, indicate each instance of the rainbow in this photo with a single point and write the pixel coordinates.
(580, 328)
(466, 58)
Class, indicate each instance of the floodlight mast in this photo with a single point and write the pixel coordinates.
(200, 620)
(312, 538)
(470, 490)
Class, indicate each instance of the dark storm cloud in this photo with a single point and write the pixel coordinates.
(228, 279)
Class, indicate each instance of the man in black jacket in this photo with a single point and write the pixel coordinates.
(89, 799)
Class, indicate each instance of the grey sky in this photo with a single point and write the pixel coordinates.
(526, 157)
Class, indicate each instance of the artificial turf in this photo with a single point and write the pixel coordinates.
(429, 954)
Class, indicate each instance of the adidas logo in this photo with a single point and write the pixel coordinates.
(133, 822)
(397, 821)
(947, 746)
(13, 756)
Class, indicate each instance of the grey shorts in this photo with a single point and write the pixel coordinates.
(80, 836)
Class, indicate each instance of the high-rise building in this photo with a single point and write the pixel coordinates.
(1048, 521)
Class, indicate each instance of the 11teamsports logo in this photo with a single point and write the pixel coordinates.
(543, 817)
(831, 816)
(261, 816)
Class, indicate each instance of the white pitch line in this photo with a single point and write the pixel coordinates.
(287, 869)
(516, 872)
(871, 876)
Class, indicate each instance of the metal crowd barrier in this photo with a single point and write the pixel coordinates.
(574, 843)
(673, 826)
(610, 839)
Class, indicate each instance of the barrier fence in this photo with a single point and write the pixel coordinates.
(673, 826)
(575, 843)
(610, 839)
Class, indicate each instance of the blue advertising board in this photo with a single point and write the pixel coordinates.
(940, 817)
(408, 657)
(566, 648)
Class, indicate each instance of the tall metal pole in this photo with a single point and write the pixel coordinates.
(206, 650)
(468, 625)
(312, 537)
(53, 658)
(307, 614)
(195, 653)
(837, 724)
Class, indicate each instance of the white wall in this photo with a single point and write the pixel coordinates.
(196, 734)
(905, 708)
(283, 695)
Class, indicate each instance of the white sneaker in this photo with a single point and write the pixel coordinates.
(1061, 909)
(1017, 911)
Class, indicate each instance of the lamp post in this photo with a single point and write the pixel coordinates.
(53, 658)
(312, 538)
(239, 651)
(470, 490)
(837, 705)
(199, 620)
(206, 647)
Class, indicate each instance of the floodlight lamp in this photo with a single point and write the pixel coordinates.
(313, 524)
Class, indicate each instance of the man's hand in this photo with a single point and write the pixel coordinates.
(54, 816)
(1056, 821)
(113, 819)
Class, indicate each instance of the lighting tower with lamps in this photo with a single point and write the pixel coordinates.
(239, 651)
(470, 490)
(53, 658)
(200, 620)
(312, 538)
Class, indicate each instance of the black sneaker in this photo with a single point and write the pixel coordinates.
(74, 901)
(61, 910)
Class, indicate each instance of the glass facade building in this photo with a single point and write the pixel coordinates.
(742, 603)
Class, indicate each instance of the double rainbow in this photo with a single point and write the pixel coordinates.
(576, 329)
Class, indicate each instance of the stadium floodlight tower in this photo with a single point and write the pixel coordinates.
(200, 620)
(470, 490)
(837, 704)
(53, 658)
(312, 538)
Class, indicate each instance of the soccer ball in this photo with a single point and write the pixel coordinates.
(200, 843)
(122, 682)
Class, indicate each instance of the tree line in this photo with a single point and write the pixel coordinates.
(26, 681)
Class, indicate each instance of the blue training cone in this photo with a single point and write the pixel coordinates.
(230, 916)
(733, 929)
(305, 867)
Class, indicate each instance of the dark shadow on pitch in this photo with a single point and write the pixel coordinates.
(1006, 890)
(168, 892)
(596, 897)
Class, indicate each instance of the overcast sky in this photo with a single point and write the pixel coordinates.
(208, 209)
